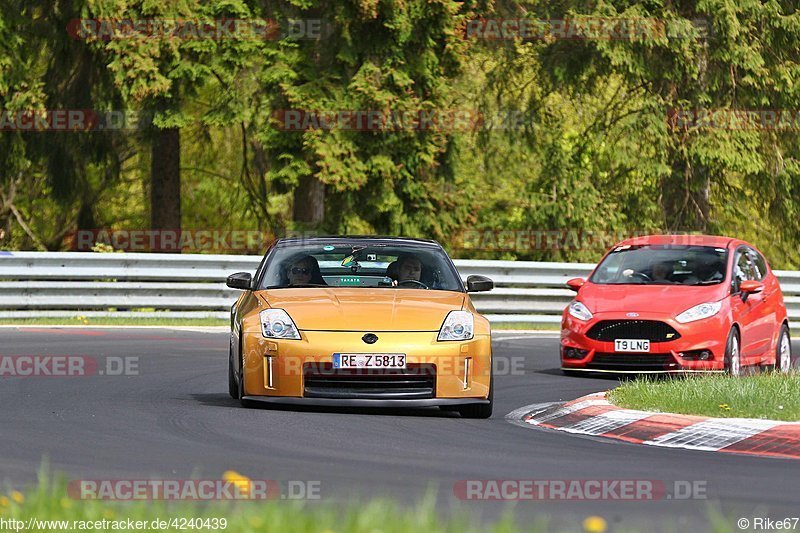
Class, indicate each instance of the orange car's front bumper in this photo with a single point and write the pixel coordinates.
(276, 369)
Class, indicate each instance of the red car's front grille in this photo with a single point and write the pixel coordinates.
(652, 330)
(632, 361)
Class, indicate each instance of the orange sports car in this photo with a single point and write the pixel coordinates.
(677, 303)
(360, 321)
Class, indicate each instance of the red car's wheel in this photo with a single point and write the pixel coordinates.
(733, 360)
(783, 352)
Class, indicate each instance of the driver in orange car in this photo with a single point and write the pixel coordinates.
(409, 268)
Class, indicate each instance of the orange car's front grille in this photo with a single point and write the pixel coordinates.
(321, 380)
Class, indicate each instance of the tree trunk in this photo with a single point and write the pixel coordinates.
(86, 219)
(165, 181)
(309, 202)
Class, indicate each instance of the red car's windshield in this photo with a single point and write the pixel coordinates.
(650, 264)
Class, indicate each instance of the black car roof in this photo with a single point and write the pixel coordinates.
(352, 239)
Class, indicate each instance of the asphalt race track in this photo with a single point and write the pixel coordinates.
(175, 420)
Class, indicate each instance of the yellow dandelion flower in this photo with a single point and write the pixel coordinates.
(242, 483)
(66, 503)
(594, 524)
(17, 496)
(4, 501)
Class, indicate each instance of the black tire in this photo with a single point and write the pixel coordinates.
(479, 410)
(233, 383)
(782, 365)
(733, 357)
(240, 384)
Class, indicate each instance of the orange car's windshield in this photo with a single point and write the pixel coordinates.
(360, 265)
(670, 265)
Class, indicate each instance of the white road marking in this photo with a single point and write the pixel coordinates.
(713, 434)
(605, 422)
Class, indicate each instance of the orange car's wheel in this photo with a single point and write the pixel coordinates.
(233, 383)
(480, 410)
(240, 381)
(242, 401)
(733, 357)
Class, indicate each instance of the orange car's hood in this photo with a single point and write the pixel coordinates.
(346, 309)
(669, 299)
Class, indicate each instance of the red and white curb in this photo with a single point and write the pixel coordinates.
(593, 415)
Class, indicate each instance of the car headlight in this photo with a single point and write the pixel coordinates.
(699, 312)
(579, 311)
(277, 324)
(458, 326)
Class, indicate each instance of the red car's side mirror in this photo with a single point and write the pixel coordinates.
(576, 283)
(751, 286)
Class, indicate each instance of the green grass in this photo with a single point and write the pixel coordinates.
(768, 395)
(49, 501)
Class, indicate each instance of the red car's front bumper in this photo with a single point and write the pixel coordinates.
(674, 347)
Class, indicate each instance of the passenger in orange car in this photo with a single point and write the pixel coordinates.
(304, 271)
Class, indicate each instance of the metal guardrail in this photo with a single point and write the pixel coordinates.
(68, 284)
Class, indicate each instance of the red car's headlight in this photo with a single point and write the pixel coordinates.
(579, 311)
(699, 312)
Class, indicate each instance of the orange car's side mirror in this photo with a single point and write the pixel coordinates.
(240, 280)
(477, 283)
(576, 283)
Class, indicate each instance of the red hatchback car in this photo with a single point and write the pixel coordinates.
(676, 303)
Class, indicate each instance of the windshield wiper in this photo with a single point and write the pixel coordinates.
(708, 282)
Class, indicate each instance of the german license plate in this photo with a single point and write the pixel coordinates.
(631, 345)
(369, 360)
